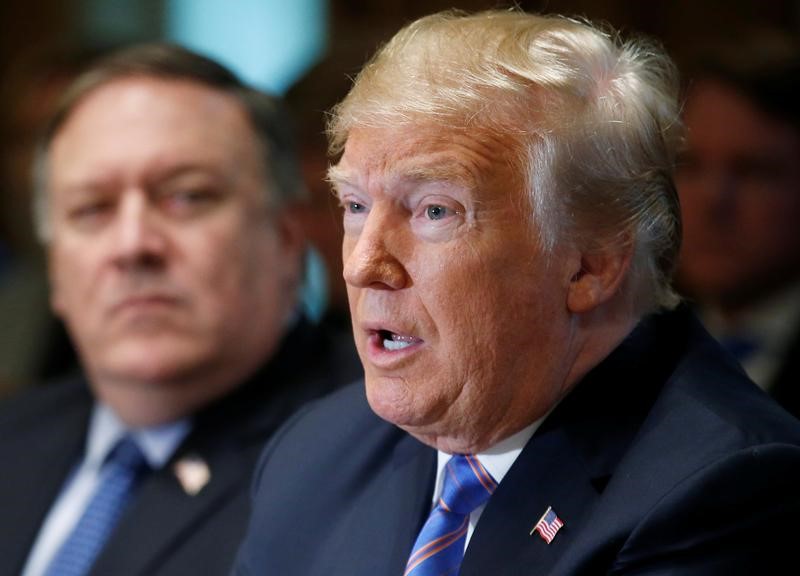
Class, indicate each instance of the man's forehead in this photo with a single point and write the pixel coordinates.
(411, 155)
(152, 96)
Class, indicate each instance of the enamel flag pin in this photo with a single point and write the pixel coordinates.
(193, 474)
(548, 525)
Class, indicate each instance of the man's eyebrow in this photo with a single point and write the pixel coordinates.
(337, 177)
(447, 172)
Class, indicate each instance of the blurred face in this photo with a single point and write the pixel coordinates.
(169, 269)
(461, 325)
(740, 194)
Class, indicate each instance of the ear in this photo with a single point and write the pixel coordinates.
(599, 277)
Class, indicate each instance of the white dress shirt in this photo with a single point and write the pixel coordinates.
(157, 443)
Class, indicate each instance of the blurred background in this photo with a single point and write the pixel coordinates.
(306, 50)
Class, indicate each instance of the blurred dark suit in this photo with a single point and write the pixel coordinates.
(165, 530)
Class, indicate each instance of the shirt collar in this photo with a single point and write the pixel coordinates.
(158, 443)
(497, 459)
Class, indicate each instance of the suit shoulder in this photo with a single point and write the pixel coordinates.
(723, 399)
(736, 513)
(337, 432)
(331, 423)
(32, 406)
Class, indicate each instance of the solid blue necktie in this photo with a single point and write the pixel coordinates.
(439, 548)
(123, 467)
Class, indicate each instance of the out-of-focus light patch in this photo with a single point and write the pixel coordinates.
(269, 43)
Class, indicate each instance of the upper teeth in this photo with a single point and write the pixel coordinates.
(397, 341)
(395, 344)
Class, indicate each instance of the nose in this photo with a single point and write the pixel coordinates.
(371, 256)
(139, 240)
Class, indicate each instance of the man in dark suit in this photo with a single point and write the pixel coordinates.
(165, 189)
(533, 406)
(739, 183)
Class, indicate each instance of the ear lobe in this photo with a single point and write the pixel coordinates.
(599, 278)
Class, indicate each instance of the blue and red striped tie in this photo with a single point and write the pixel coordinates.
(439, 548)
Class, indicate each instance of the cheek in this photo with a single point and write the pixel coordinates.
(72, 278)
(474, 303)
(219, 267)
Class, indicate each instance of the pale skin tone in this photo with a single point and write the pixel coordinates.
(173, 274)
(740, 195)
(466, 331)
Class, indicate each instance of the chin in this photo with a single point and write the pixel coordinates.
(150, 363)
(392, 399)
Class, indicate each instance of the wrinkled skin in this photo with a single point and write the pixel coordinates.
(440, 259)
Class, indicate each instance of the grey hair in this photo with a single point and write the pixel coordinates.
(267, 115)
(594, 120)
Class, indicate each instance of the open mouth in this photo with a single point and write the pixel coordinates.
(392, 341)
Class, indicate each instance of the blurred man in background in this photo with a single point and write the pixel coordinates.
(739, 185)
(165, 189)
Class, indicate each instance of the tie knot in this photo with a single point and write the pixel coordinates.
(467, 484)
(127, 455)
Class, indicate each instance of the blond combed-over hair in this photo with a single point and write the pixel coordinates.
(593, 121)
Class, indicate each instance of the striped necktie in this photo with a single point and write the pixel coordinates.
(439, 548)
(122, 468)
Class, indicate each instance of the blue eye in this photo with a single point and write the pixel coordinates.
(435, 212)
(355, 207)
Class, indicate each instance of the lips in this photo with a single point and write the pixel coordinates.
(393, 342)
(144, 302)
(387, 346)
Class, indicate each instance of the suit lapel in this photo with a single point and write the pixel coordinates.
(548, 473)
(570, 459)
(164, 513)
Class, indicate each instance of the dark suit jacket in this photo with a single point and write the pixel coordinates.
(664, 460)
(785, 385)
(165, 531)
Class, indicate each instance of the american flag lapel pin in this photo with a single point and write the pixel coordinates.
(548, 525)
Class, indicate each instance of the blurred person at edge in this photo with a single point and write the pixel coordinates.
(164, 200)
(531, 404)
(739, 186)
